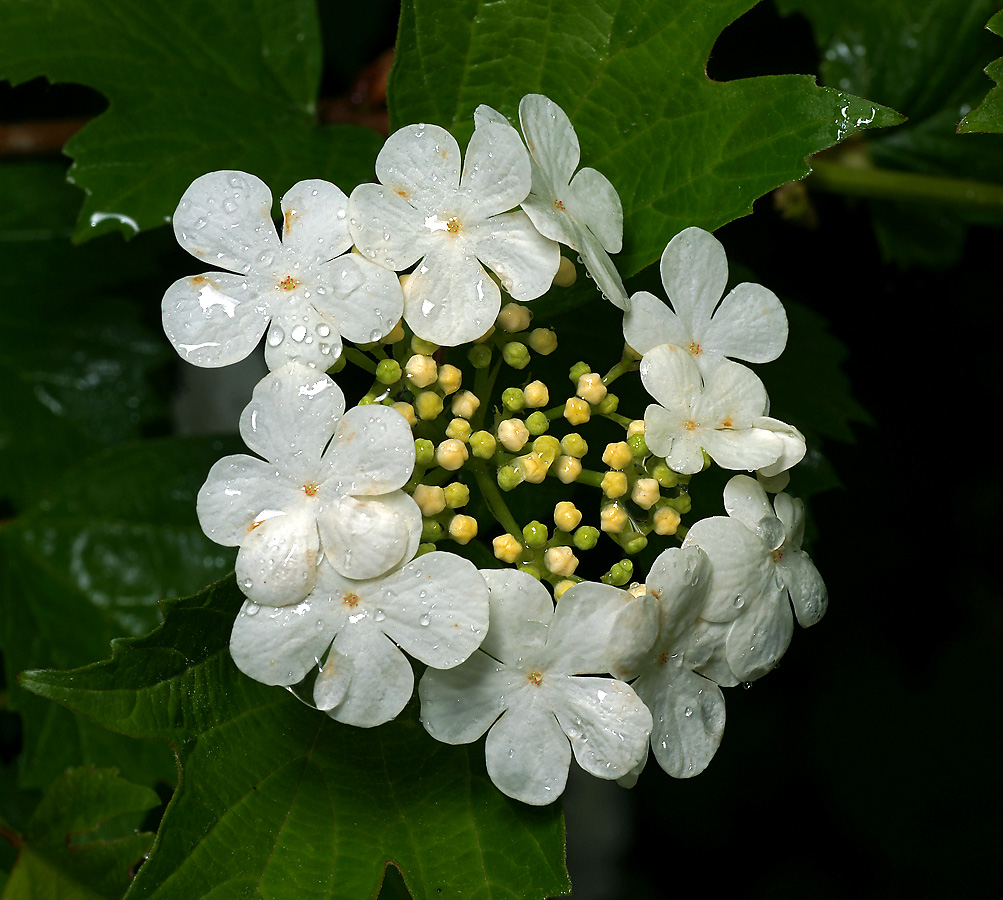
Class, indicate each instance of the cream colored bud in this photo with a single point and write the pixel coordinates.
(431, 499)
(451, 454)
(645, 493)
(397, 332)
(428, 405)
(567, 274)
(533, 467)
(617, 455)
(614, 484)
(513, 434)
(637, 589)
(536, 394)
(514, 317)
(613, 518)
(421, 371)
(577, 411)
(459, 429)
(463, 529)
(407, 411)
(465, 404)
(567, 516)
(450, 379)
(542, 341)
(635, 427)
(562, 587)
(560, 561)
(568, 468)
(507, 548)
(590, 388)
(666, 520)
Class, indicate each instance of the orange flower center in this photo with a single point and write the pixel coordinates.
(288, 283)
(535, 678)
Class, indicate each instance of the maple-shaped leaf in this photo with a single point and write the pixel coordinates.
(988, 115)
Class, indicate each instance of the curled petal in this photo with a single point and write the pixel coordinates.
(694, 273)
(805, 585)
(372, 452)
(741, 448)
(550, 137)
(527, 755)
(601, 268)
(705, 652)
(790, 511)
(277, 561)
(596, 204)
(793, 442)
(382, 680)
(315, 220)
(746, 500)
(522, 258)
(760, 636)
(365, 538)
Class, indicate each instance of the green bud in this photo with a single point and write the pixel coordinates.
(608, 404)
(619, 574)
(457, 495)
(634, 544)
(577, 370)
(430, 530)
(480, 356)
(586, 537)
(508, 478)
(537, 422)
(516, 355)
(529, 569)
(367, 399)
(424, 452)
(388, 371)
(637, 445)
(681, 504)
(423, 549)
(535, 535)
(707, 461)
(574, 445)
(548, 447)
(513, 399)
(483, 444)
(665, 477)
(423, 347)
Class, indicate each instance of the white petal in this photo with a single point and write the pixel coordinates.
(694, 272)
(678, 580)
(333, 681)
(224, 218)
(807, 590)
(745, 500)
(277, 561)
(741, 448)
(733, 397)
(291, 416)
(688, 713)
(485, 115)
(386, 227)
(365, 299)
(749, 324)
(760, 636)
(365, 538)
(527, 755)
(422, 164)
(496, 173)
(437, 609)
(550, 137)
(672, 378)
(449, 299)
(280, 645)
(705, 652)
(794, 447)
(649, 322)
(601, 268)
(630, 779)
(595, 203)
(382, 680)
(239, 493)
(372, 452)
(520, 612)
(214, 319)
(302, 334)
(661, 428)
(790, 511)
(315, 220)
(458, 705)
(523, 259)
(605, 720)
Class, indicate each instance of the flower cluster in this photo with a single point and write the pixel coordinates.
(339, 516)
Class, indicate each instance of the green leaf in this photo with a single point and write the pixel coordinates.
(927, 183)
(89, 563)
(192, 87)
(276, 800)
(679, 148)
(988, 116)
(57, 859)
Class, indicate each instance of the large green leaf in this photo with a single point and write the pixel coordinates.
(926, 61)
(988, 116)
(89, 563)
(56, 856)
(679, 148)
(193, 87)
(276, 800)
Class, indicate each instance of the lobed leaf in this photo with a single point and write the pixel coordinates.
(988, 115)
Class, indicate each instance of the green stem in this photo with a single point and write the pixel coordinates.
(493, 498)
(358, 358)
(885, 184)
(621, 368)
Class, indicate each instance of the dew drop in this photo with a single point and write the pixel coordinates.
(425, 620)
(252, 609)
(688, 712)
(275, 337)
(379, 615)
(323, 330)
(298, 333)
(739, 602)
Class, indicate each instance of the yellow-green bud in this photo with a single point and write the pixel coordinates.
(666, 520)
(537, 394)
(421, 371)
(562, 587)
(533, 467)
(645, 493)
(635, 544)
(483, 444)
(479, 356)
(463, 529)
(397, 332)
(568, 469)
(514, 317)
(388, 371)
(537, 422)
(574, 445)
(577, 411)
(608, 404)
(422, 548)
(613, 518)
(586, 537)
(567, 274)
(590, 388)
(407, 411)
(637, 446)
(560, 560)
(513, 434)
(457, 495)
(424, 452)
(428, 405)
(614, 484)
(535, 535)
(431, 530)
(450, 379)
(619, 574)
(430, 498)
(516, 355)
(508, 477)
(665, 476)
(577, 370)
(617, 455)
(465, 404)
(548, 447)
(530, 569)
(451, 454)
(423, 347)
(513, 399)
(542, 341)
(458, 429)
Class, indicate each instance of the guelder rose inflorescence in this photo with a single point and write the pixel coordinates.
(341, 518)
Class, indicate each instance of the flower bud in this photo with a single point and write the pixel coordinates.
(457, 495)
(450, 379)
(407, 411)
(458, 429)
(451, 454)
(532, 467)
(542, 341)
(516, 355)
(608, 404)
(428, 405)
(397, 332)
(619, 574)
(560, 561)
(665, 476)
(430, 530)
(513, 399)
(645, 493)
(577, 411)
(590, 388)
(424, 548)
(614, 484)
(479, 356)
(507, 548)
(577, 370)
(514, 317)
(635, 427)
(535, 535)
(483, 444)
(509, 478)
(422, 347)
(586, 537)
(431, 499)
(537, 423)
(613, 518)
(530, 569)
(567, 274)
(666, 520)
(465, 404)
(513, 434)
(568, 469)
(638, 447)
(537, 394)
(548, 447)
(463, 529)
(562, 587)
(573, 444)
(567, 515)
(424, 452)
(617, 455)
(421, 371)
(388, 371)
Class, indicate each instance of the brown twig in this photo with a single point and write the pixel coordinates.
(42, 138)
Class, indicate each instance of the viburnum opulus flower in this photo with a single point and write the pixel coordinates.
(750, 323)
(311, 293)
(526, 686)
(452, 224)
(435, 608)
(583, 210)
(329, 483)
(759, 571)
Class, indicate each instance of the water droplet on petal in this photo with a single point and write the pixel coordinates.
(425, 620)
(275, 337)
(688, 712)
(252, 608)
(379, 615)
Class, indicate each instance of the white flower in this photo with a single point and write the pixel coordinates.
(425, 210)
(715, 413)
(776, 477)
(524, 685)
(687, 708)
(750, 323)
(330, 486)
(759, 570)
(582, 211)
(435, 607)
(311, 293)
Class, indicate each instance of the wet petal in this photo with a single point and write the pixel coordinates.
(277, 561)
(372, 452)
(382, 679)
(421, 163)
(333, 680)
(224, 218)
(365, 538)
(595, 204)
(550, 137)
(749, 324)
(649, 322)
(760, 636)
(527, 755)
(741, 448)
(705, 652)
(672, 378)
(315, 220)
(601, 268)
(678, 580)
(364, 298)
(745, 500)
(733, 397)
(520, 612)
(214, 319)
(790, 511)
(496, 172)
(385, 227)
(807, 590)
(792, 441)
(302, 334)
(694, 272)
(522, 258)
